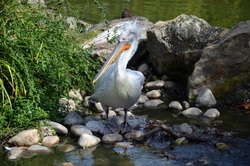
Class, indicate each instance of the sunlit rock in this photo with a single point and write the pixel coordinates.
(175, 105)
(87, 140)
(78, 130)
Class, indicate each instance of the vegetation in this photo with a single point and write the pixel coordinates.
(39, 62)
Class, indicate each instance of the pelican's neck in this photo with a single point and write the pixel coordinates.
(124, 58)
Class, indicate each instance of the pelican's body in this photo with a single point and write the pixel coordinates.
(115, 85)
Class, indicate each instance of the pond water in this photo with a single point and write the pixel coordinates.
(223, 13)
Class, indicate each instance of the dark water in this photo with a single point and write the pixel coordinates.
(223, 13)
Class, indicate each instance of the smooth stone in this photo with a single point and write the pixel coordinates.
(87, 140)
(86, 102)
(125, 145)
(111, 138)
(153, 103)
(153, 94)
(205, 99)
(142, 99)
(78, 130)
(169, 84)
(72, 118)
(25, 138)
(15, 153)
(94, 126)
(185, 104)
(111, 114)
(134, 135)
(39, 149)
(155, 84)
(98, 107)
(143, 67)
(175, 105)
(75, 94)
(212, 113)
(193, 111)
(50, 140)
(63, 101)
(185, 129)
(60, 129)
(66, 148)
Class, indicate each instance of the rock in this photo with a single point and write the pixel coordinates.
(205, 99)
(154, 84)
(153, 94)
(125, 145)
(220, 64)
(50, 140)
(15, 153)
(66, 148)
(86, 102)
(71, 23)
(25, 138)
(78, 130)
(87, 140)
(143, 68)
(134, 135)
(67, 164)
(63, 101)
(175, 105)
(142, 99)
(185, 104)
(38, 149)
(181, 141)
(39, 2)
(193, 111)
(71, 105)
(111, 114)
(212, 113)
(73, 118)
(75, 94)
(60, 129)
(185, 129)
(153, 103)
(222, 146)
(176, 45)
(94, 126)
(111, 138)
(98, 107)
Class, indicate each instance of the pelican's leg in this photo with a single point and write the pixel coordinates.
(107, 114)
(107, 128)
(125, 126)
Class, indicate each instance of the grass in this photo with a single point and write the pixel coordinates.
(39, 63)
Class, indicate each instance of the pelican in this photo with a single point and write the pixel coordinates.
(115, 85)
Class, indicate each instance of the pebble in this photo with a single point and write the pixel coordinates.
(134, 135)
(185, 129)
(60, 129)
(111, 138)
(142, 99)
(212, 113)
(152, 104)
(78, 130)
(175, 105)
(205, 99)
(125, 145)
(185, 104)
(15, 153)
(50, 140)
(87, 140)
(153, 94)
(38, 149)
(154, 84)
(98, 107)
(193, 111)
(72, 118)
(111, 114)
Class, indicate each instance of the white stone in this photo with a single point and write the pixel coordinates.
(134, 135)
(38, 149)
(193, 111)
(153, 94)
(78, 130)
(155, 84)
(75, 94)
(15, 153)
(111, 114)
(98, 107)
(153, 103)
(87, 140)
(50, 140)
(111, 138)
(212, 113)
(205, 98)
(175, 105)
(60, 129)
(142, 99)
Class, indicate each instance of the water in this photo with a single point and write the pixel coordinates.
(223, 13)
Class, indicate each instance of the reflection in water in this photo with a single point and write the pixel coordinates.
(221, 13)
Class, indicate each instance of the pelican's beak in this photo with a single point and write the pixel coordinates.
(114, 54)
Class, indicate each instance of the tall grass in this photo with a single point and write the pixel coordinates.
(39, 62)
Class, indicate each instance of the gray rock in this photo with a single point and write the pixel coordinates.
(60, 129)
(185, 129)
(175, 105)
(15, 153)
(153, 103)
(142, 99)
(193, 111)
(155, 84)
(143, 68)
(94, 126)
(212, 113)
(185, 104)
(134, 135)
(176, 45)
(98, 107)
(87, 140)
(205, 99)
(125, 145)
(220, 64)
(73, 118)
(78, 130)
(38, 149)
(71, 23)
(153, 94)
(111, 138)
(25, 138)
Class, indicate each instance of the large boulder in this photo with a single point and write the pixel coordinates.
(223, 65)
(176, 45)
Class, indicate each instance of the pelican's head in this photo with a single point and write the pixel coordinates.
(128, 40)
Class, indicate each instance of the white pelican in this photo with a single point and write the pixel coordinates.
(115, 85)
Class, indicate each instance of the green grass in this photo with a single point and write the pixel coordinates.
(39, 62)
